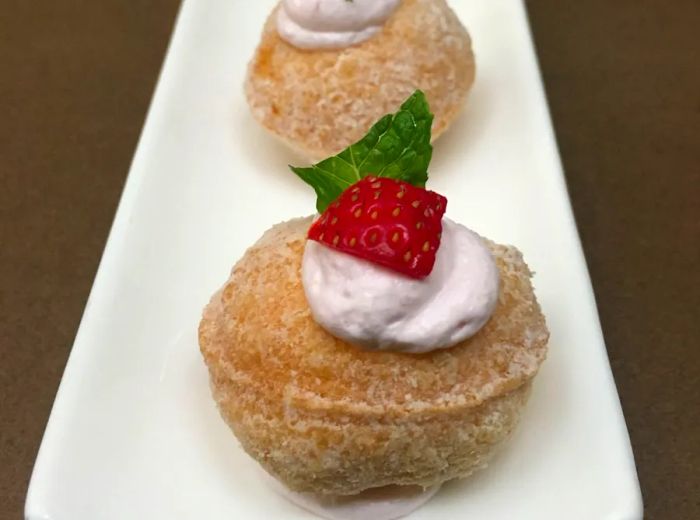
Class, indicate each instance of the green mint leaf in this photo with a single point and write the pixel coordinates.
(397, 146)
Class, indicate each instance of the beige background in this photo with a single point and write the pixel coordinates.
(623, 81)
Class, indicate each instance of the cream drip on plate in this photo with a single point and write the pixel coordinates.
(376, 308)
(331, 24)
(386, 503)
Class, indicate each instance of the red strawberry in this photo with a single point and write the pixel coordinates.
(385, 221)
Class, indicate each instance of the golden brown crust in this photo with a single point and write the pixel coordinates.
(321, 101)
(326, 417)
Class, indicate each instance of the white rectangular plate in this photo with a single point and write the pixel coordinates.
(134, 432)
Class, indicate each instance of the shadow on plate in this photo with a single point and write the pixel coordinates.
(270, 156)
(468, 129)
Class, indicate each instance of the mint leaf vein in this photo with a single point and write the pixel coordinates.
(397, 146)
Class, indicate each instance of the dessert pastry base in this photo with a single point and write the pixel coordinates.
(319, 102)
(326, 417)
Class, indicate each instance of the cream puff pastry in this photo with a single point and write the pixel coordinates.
(326, 70)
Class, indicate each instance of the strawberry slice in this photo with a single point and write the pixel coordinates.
(385, 221)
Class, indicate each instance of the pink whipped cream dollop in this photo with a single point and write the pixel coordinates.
(379, 309)
(331, 24)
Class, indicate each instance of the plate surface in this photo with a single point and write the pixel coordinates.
(134, 432)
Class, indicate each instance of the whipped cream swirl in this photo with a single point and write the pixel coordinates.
(376, 308)
(331, 24)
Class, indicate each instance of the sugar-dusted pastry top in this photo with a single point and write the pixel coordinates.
(261, 324)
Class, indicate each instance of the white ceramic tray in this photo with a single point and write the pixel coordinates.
(133, 432)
